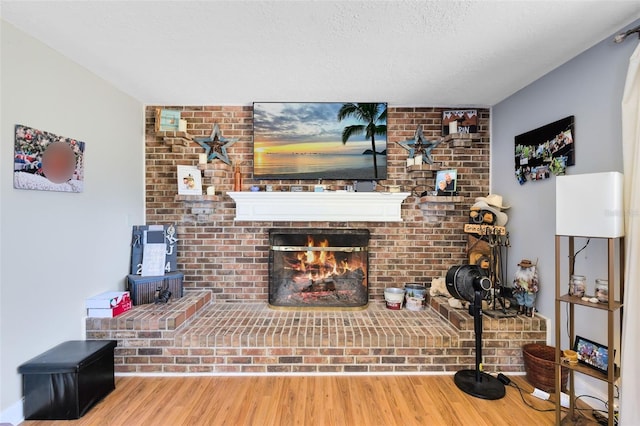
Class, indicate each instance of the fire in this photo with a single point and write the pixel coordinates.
(323, 267)
(320, 264)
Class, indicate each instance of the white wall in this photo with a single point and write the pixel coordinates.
(59, 248)
(589, 87)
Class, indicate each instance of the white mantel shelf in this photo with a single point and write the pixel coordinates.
(326, 206)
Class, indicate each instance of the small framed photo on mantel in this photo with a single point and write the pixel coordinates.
(446, 182)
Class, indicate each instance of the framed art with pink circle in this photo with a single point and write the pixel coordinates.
(45, 161)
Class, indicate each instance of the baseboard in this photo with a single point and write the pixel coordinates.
(289, 374)
(591, 387)
(13, 415)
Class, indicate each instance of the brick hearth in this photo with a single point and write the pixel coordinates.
(194, 335)
(223, 324)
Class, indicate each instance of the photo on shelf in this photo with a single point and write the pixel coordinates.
(446, 182)
(592, 354)
(465, 121)
(167, 120)
(189, 180)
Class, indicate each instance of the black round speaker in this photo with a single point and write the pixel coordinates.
(463, 280)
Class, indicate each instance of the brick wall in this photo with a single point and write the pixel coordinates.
(231, 259)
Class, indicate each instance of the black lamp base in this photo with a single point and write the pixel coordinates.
(488, 387)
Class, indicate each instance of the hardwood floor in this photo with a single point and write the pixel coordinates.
(307, 400)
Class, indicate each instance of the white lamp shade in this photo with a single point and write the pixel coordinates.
(590, 205)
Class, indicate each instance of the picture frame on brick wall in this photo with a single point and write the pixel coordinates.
(466, 121)
(167, 120)
(189, 180)
(446, 182)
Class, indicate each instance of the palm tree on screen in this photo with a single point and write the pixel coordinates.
(370, 114)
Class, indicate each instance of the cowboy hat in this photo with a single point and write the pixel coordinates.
(525, 263)
(494, 200)
(501, 218)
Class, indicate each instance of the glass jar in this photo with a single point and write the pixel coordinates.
(602, 290)
(577, 285)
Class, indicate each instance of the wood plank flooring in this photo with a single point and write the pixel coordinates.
(307, 400)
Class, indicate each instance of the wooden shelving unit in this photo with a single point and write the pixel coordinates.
(611, 307)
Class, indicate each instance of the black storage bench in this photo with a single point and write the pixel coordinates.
(64, 382)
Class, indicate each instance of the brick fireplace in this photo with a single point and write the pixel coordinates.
(224, 324)
(230, 257)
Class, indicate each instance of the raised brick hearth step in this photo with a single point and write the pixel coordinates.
(194, 335)
(256, 325)
(155, 317)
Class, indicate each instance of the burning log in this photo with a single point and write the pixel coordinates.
(324, 295)
(324, 284)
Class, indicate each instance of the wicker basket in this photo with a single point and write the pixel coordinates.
(539, 364)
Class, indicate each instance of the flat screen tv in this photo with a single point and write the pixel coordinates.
(304, 140)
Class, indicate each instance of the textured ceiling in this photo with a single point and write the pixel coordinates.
(403, 52)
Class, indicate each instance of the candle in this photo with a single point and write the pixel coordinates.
(202, 158)
(211, 190)
(182, 125)
(453, 127)
(409, 162)
(417, 160)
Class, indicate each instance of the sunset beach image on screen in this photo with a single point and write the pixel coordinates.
(304, 141)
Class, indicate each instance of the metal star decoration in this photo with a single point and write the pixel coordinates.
(420, 146)
(215, 146)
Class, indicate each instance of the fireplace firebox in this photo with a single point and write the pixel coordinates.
(318, 268)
